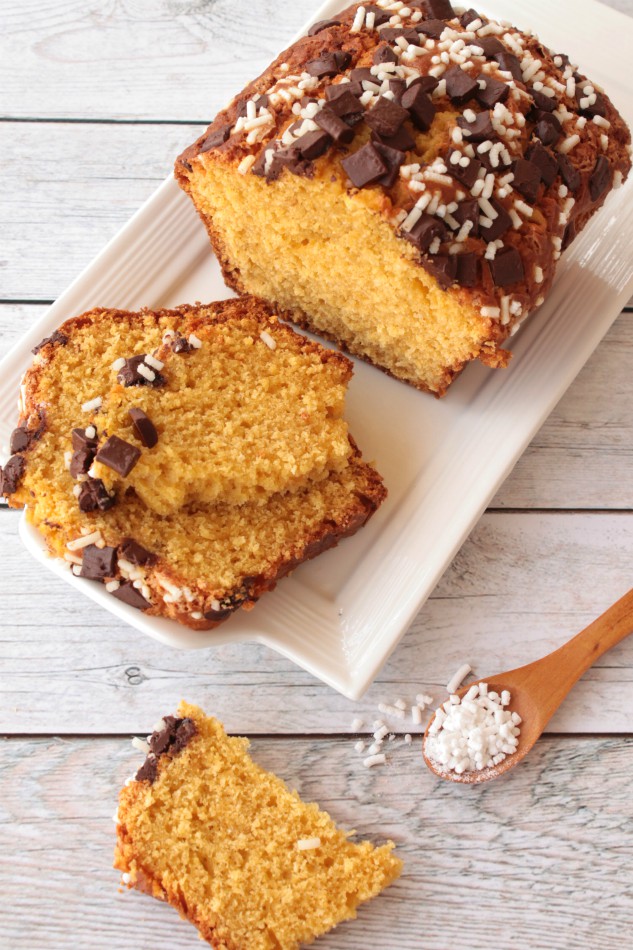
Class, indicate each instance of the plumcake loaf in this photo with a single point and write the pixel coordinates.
(233, 849)
(199, 562)
(403, 181)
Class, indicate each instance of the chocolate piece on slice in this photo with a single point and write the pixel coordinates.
(527, 179)
(322, 25)
(425, 231)
(98, 563)
(129, 374)
(173, 737)
(20, 440)
(420, 106)
(493, 92)
(181, 345)
(218, 615)
(56, 337)
(313, 144)
(119, 455)
(365, 166)
(346, 105)
(386, 117)
(431, 28)
(467, 174)
(480, 130)
(600, 178)
(469, 211)
(398, 87)
(403, 141)
(467, 269)
(509, 63)
(544, 161)
(135, 553)
(507, 267)
(470, 16)
(84, 450)
(393, 158)
(341, 88)
(460, 87)
(11, 474)
(380, 16)
(542, 102)
(548, 129)
(364, 74)
(340, 132)
(330, 64)
(391, 34)
(501, 224)
(144, 428)
(443, 267)
(94, 496)
(216, 138)
(569, 172)
(439, 9)
(127, 593)
(491, 45)
(384, 54)
(599, 107)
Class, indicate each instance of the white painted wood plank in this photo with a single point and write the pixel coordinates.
(537, 860)
(521, 586)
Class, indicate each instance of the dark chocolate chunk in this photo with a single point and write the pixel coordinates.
(119, 455)
(544, 161)
(491, 45)
(507, 267)
(81, 441)
(313, 144)
(148, 771)
(384, 54)
(598, 108)
(548, 129)
(346, 105)
(84, 450)
(131, 596)
(218, 615)
(217, 137)
(467, 269)
(380, 16)
(56, 337)
(427, 83)
(467, 174)
(527, 179)
(144, 428)
(443, 267)
(175, 735)
(364, 74)
(501, 224)
(341, 88)
(365, 166)
(98, 563)
(386, 117)
(263, 168)
(11, 474)
(94, 496)
(242, 105)
(393, 159)
(600, 178)
(542, 102)
(469, 17)
(135, 553)
(493, 92)
(460, 87)
(419, 105)
(391, 34)
(509, 63)
(180, 344)
(330, 64)
(569, 173)
(291, 158)
(340, 131)
(439, 9)
(20, 440)
(431, 28)
(398, 87)
(478, 131)
(468, 211)
(569, 235)
(403, 141)
(130, 376)
(322, 25)
(425, 231)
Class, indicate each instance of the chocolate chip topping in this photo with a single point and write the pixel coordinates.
(467, 174)
(144, 428)
(393, 159)
(380, 16)
(542, 102)
(384, 54)
(129, 374)
(468, 268)
(440, 9)
(11, 474)
(478, 131)
(127, 593)
(469, 17)
(339, 131)
(20, 440)
(443, 267)
(56, 337)
(341, 88)
(98, 563)
(420, 107)
(600, 178)
(84, 451)
(218, 615)
(135, 553)
(569, 172)
(119, 455)
(424, 232)
(175, 735)
(469, 211)
(432, 28)
(544, 161)
(501, 224)
(402, 141)
(94, 496)
(492, 92)
(330, 64)
(507, 267)
(509, 63)
(548, 129)
(346, 105)
(365, 166)
(216, 138)
(491, 45)
(180, 344)
(313, 144)
(527, 179)
(386, 117)
(322, 25)
(460, 87)
(599, 107)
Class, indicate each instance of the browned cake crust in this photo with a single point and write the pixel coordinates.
(175, 565)
(487, 153)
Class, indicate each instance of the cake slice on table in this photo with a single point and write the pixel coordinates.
(126, 413)
(403, 180)
(237, 853)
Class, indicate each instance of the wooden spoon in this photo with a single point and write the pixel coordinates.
(539, 688)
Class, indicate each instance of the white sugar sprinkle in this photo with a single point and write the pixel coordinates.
(308, 844)
(146, 372)
(194, 341)
(266, 338)
(372, 760)
(153, 362)
(357, 724)
(458, 677)
(92, 404)
(141, 744)
(78, 543)
(118, 364)
(360, 746)
(391, 710)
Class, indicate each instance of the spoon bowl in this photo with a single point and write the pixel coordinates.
(538, 689)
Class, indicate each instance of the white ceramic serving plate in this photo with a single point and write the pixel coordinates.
(340, 616)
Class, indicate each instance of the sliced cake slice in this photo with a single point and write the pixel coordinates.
(237, 853)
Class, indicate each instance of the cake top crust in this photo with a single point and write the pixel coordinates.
(486, 151)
